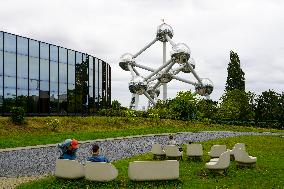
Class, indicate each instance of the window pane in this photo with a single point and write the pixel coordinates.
(22, 98)
(53, 71)
(22, 67)
(71, 57)
(78, 58)
(62, 98)
(63, 55)
(22, 84)
(34, 48)
(53, 53)
(71, 74)
(44, 51)
(9, 42)
(44, 70)
(9, 93)
(1, 41)
(34, 68)
(22, 46)
(62, 73)
(71, 98)
(10, 64)
(1, 62)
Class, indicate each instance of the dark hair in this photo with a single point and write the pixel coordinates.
(171, 137)
(95, 148)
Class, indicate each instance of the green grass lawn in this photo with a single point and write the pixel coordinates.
(268, 172)
(35, 131)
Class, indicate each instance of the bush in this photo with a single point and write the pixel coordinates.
(18, 115)
(53, 124)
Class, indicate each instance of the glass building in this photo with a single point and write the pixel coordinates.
(46, 79)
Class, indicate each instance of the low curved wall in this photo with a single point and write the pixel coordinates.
(38, 160)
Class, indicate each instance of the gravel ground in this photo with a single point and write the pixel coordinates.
(41, 161)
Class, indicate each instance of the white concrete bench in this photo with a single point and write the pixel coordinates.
(219, 164)
(100, 171)
(69, 169)
(194, 150)
(153, 170)
(172, 151)
(243, 158)
(217, 150)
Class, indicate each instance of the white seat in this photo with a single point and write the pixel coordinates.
(217, 150)
(237, 146)
(153, 170)
(100, 171)
(220, 163)
(243, 158)
(70, 169)
(172, 151)
(194, 150)
(157, 149)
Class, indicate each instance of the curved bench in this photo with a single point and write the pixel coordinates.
(100, 171)
(153, 170)
(70, 169)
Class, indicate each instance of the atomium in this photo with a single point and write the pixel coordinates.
(138, 85)
(165, 77)
(205, 88)
(125, 60)
(180, 61)
(180, 53)
(163, 30)
(186, 68)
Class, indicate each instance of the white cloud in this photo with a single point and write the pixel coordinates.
(211, 28)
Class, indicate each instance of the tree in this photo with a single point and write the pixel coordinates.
(207, 108)
(235, 78)
(236, 105)
(269, 106)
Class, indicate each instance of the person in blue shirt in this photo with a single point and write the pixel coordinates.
(68, 148)
(96, 157)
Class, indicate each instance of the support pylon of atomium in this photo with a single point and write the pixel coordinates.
(150, 85)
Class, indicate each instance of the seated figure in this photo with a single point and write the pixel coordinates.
(96, 157)
(68, 148)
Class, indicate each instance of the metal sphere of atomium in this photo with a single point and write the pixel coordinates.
(153, 91)
(137, 85)
(205, 88)
(125, 60)
(186, 69)
(180, 53)
(165, 77)
(163, 30)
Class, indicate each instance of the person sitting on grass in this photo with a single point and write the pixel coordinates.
(68, 148)
(96, 157)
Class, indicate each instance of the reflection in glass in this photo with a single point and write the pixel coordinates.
(44, 51)
(9, 93)
(33, 82)
(9, 43)
(1, 63)
(22, 46)
(33, 48)
(10, 64)
(63, 55)
(53, 53)
(22, 66)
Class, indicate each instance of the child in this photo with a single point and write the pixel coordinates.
(69, 148)
(96, 157)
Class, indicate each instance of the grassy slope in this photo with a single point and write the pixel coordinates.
(268, 173)
(35, 131)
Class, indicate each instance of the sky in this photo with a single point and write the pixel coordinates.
(211, 28)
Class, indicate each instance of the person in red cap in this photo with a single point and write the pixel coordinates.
(68, 148)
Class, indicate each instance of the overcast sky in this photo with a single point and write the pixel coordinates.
(211, 28)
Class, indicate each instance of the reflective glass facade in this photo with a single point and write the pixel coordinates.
(46, 79)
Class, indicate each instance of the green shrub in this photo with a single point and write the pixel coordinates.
(18, 115)
(53, 124)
